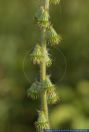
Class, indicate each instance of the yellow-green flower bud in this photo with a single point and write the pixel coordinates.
(37, 55)
(55, 1)
(34, 90)
(47, 59)
(52, 97)
(42, 17)
(47, 85)
(42, 122)
(52, 37)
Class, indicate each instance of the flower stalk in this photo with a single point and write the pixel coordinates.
(44, 89)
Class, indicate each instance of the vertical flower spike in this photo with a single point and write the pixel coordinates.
(44, 89)
(37, 55)
(55, 1)
(34, 90)
(42, 122)
(52, 37)
(42, 17)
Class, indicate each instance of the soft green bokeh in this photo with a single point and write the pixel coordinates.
(18, 35)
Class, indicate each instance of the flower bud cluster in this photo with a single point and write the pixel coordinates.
(52, 97)
(38, 57)
(42, 17)
(47, 84)
(34, 90)
(42, 122)
(51, 90)
(38, 87)
(52, 37)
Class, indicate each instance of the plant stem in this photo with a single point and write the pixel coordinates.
(44, 105)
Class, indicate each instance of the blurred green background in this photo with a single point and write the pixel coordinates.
(18, 35)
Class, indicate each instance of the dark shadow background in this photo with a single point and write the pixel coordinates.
(18, 35)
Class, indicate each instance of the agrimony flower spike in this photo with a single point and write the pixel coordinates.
(55, 1)
(37, 55)
(42, 122)
(34, 90)
(52, 37)
(42, 17)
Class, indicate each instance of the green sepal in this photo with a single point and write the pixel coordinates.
(42, 122)
(42, 17)
(52, 37)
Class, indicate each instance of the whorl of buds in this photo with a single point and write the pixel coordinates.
(48, 61)
(46, 58)
(37, 56)
(52, 97)
(55, 1)
(42, 17)
(34, 90)
(52, 37)
(42, 122)
(47, 85)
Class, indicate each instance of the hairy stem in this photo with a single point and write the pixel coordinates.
(43, 75)
(44, 105)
